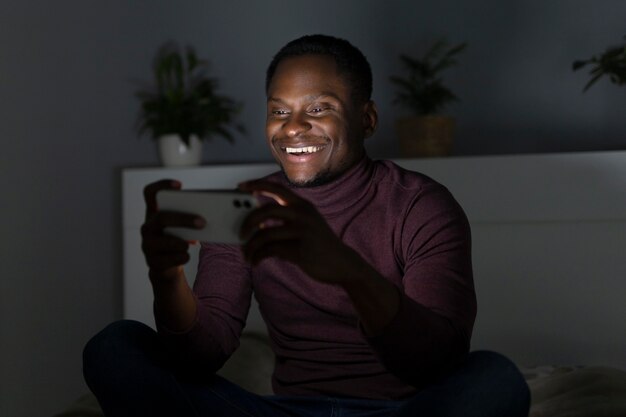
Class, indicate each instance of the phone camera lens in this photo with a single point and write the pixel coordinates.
(237, 203)
(247, 204)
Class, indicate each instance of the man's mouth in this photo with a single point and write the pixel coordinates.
(304, 150)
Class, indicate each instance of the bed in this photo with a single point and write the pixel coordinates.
(549, 233)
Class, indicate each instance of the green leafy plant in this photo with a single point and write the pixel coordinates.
(184, 99)
(612, 63)
(423, 91)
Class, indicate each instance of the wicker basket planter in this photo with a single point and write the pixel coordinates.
(425, 136)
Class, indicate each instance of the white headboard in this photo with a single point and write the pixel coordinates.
(549, 248)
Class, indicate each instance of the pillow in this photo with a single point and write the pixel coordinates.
(577, 392)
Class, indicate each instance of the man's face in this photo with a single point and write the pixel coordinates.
(314, 128)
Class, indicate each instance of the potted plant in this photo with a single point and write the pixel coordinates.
(426, 132)
(183, 108)
(612, 63)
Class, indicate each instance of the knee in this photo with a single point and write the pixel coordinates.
(111, 343)
(494, 363)
(503, 372)
(487, 359)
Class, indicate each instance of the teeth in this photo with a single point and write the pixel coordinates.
(305, 149)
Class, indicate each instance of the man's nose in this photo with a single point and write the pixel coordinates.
(296, 125)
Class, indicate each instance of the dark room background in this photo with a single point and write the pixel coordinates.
(67, 112)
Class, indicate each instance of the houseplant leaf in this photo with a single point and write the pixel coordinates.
(183, 99)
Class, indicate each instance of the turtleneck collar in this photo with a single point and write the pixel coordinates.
(341, 193)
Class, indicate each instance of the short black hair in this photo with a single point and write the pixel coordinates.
(350, 61)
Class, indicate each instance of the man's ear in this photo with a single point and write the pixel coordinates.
(370, 118)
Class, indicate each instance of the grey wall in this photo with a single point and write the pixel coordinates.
(67, 113)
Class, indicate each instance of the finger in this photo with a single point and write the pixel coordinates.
(262, 239)
(150, 191)
(281, 194)
(163, 219)
(164, 244)
(180, 219)
(269, 215)
(163, 263)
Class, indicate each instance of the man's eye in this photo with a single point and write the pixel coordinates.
(317, 109)
(279, 112)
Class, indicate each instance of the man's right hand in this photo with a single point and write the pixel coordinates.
(165, 254)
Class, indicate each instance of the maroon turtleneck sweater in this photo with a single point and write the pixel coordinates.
(411, 230)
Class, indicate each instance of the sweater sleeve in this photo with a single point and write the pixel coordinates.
(223, 292)
(431, 331)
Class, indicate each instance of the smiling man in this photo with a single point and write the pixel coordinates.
(315, 122)
(362, 272)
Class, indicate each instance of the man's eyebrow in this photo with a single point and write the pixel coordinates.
(311, 97)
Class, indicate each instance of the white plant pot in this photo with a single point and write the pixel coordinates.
(175, 153)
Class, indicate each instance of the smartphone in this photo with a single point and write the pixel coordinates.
(223, 210)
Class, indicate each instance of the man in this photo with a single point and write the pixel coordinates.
(362, 271)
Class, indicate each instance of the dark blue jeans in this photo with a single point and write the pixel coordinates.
(128, 371)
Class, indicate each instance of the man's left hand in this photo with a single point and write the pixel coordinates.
(295, 231)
